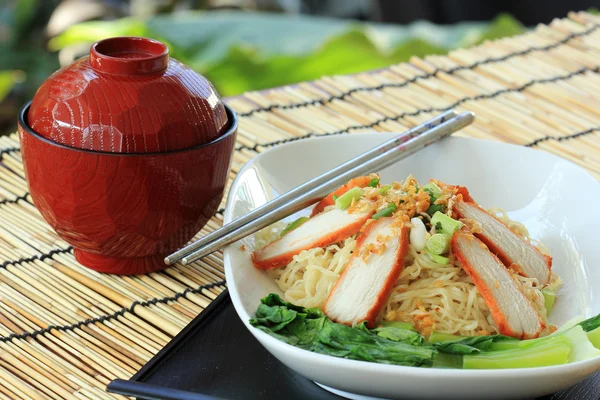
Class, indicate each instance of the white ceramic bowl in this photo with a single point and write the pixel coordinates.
(557, 201)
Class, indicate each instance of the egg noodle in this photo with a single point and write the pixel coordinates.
(429, 295)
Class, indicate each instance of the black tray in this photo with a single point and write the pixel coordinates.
(215, 357)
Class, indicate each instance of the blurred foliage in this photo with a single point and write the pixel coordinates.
(237, 51)
(240, 51)
(6, 82)
(243, 69)
(24, 64)
(90, 32)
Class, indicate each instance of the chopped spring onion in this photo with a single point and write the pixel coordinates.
(434, 191)
(435, 208)
(385, 189)
(552, 351)
(374, 182)
(418, 234)
(437, 258)
(449, 225)
(293, 225)
(438, 244)
(345, 200)
(549, 298)
(386, 212)
(442, 337)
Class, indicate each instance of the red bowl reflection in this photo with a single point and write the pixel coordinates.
(123, 213)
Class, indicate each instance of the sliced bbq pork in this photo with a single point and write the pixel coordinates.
(320, 231)
(511, 310)
(511, 248)
(365, 285)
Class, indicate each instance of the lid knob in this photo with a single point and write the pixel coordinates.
(129, 56)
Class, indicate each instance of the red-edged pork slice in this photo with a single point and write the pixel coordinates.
(466, 196)
(320, 231)
(365, 285)
(511, 310)
(511, 248)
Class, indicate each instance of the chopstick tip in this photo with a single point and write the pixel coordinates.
(185, 261)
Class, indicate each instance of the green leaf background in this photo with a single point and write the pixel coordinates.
(240, 51)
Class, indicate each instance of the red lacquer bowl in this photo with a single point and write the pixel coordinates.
(128, 96)
(123, 213)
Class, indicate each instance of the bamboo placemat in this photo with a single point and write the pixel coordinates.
(66, 331)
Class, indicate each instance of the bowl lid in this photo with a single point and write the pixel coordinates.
(127, 96)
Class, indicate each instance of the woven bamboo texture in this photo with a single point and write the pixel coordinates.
(66, 331)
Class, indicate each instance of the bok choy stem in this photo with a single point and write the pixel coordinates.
(553, 351)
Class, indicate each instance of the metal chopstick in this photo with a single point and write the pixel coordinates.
(313, 193)
(294, 193)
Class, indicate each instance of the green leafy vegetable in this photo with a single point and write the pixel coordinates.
(293, 225)
(591, 323)
(522, 344)
(273, 300)
(397, 324)
(292, 324)
(581, 347)
(397, 342)
(468, 344)
(276, 317)
(386, 212)
(594, 337)
(374, 182)
(568, 325)
(505, 345)
(399, 335)
(553, 351)
(345, 200)
(446, 360)
(311, 330)
(358, 344)
(443, 337)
